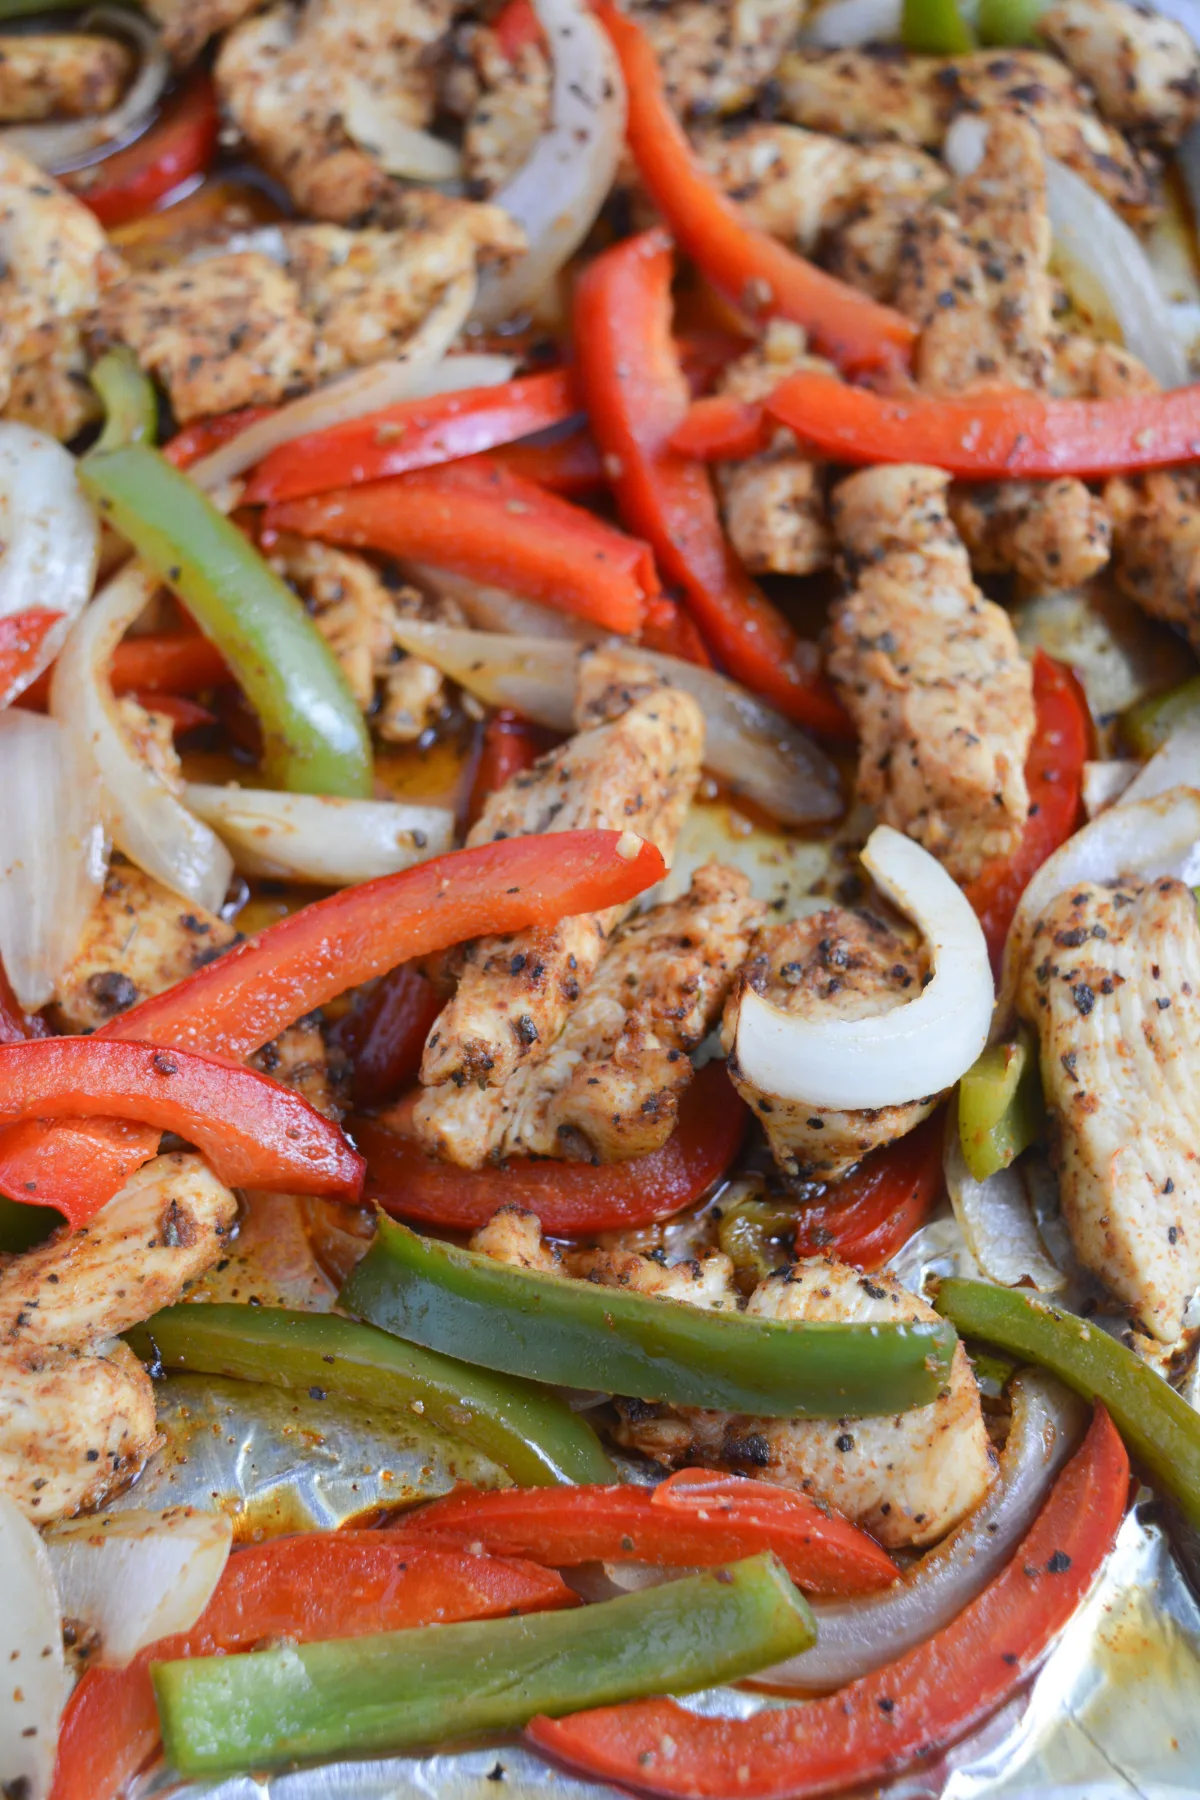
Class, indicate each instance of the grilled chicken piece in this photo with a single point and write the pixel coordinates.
(834, 964)
(774, 503)
(880, 94)
(62, 76)
(638, 773)
(714, 54)
(931, 673)
(1111, 980)
(609, 1088)
(187, 25)
(505, 106)
(141, 1252)
(514, 1236)
(54, 263)
(1143, 67)
(1156, 544)
(73, 1429)
(355, 611)
(1054, 534)
(706, 1282)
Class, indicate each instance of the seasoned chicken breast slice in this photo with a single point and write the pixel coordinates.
(1050, 534)
(1142, 66)
(505, 105)
(1111, 981)
(833, 964)
(187, 25)
(1156, 544)
(930, 671)
(714, 54)
(609, 1087)
(67, 75)
(73, 1429)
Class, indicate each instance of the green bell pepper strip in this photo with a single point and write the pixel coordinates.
(1009, 22)
(1161, 1429)
(578, 1334)
(1147, 726)
(1000, 1107)
(935, 28)
(130, 403)
(534, 1436)
(314, 737)
(405, 1690)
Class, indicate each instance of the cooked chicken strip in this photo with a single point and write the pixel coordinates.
(1111, 980)
(1156, 544)
(876, 94)
(706, 1282)
(638, 773)
(1143, 67)
(930, 671)
(69, 75)
(187, 25)
(505, 105)
(714, 54)
(73, 1429)
(834, 964)
(54, 263)
(1054, 534)
(514, 1236)
(609, 1088)
(140, 1253)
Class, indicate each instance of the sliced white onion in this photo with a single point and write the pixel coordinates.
(747, 743)
(49, 539)
(1105, 782)
(31, 1656)
(856, 1636)
(311, 837)
(997, 1222)
(65, 144)
(495, 609)
(134, 1577)
(145, 819)
(1091, 238)
(918, 1048)
(848, 24)
(1177, 764)
(398, 147)
(52, 851)
(558, 192)
(348, 396)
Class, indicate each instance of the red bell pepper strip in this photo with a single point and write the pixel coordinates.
(476, 518)
(668, 628)
(184, 714)
(636, 395)
(235, 1005)
(168, 662)
(569, 465)
(992, 435)
(759, 274)
(319, 1585)
(516, 25)
(386, 1036)
(414, 434)
(253, 1131)
(721, 428)
(864, 1218)
(509, 746)
(567, 1197)
(182, 144)
(705, 352)
(21, 638)
(694, 1519)
(203, 436)
(1054, 777)
(901, 1714)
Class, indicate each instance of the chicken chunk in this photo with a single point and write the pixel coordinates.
(881, 94)
(610, 1087)
(706, 1282)
(1142, 66)
(187, 25)
(1111, 981)
(505, 105)
(73, 1429)
(67, 75)
(637, 773)
(54, 264)
(141, 1252)
(514, 1236)
(834, 964)
(714, 54)
(355, 611)
(931, 673)
(1054, 534)
(1156, 544)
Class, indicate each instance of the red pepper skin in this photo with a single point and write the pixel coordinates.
(1054, 777)
(415, 434)
(203, 436)
(235, 1005)
(996, 434)
(184, 714)
(758, 274)
(318, 1585)
(510, 745)
(386, 1037)
(21, 638)
(571, 465)
(694, 1519)
(668, 628)
(720, 428)
(864, 1218)
(478, 519)
(903, 1713)
(167, 662)
(636, 394)
(182, 144)
(516, 25)
(254, 1132)
(567, 1197)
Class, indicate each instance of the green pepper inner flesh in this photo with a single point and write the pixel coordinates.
(1000, 1108)
(130, 403)
(1147, 726)
(935, 28)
